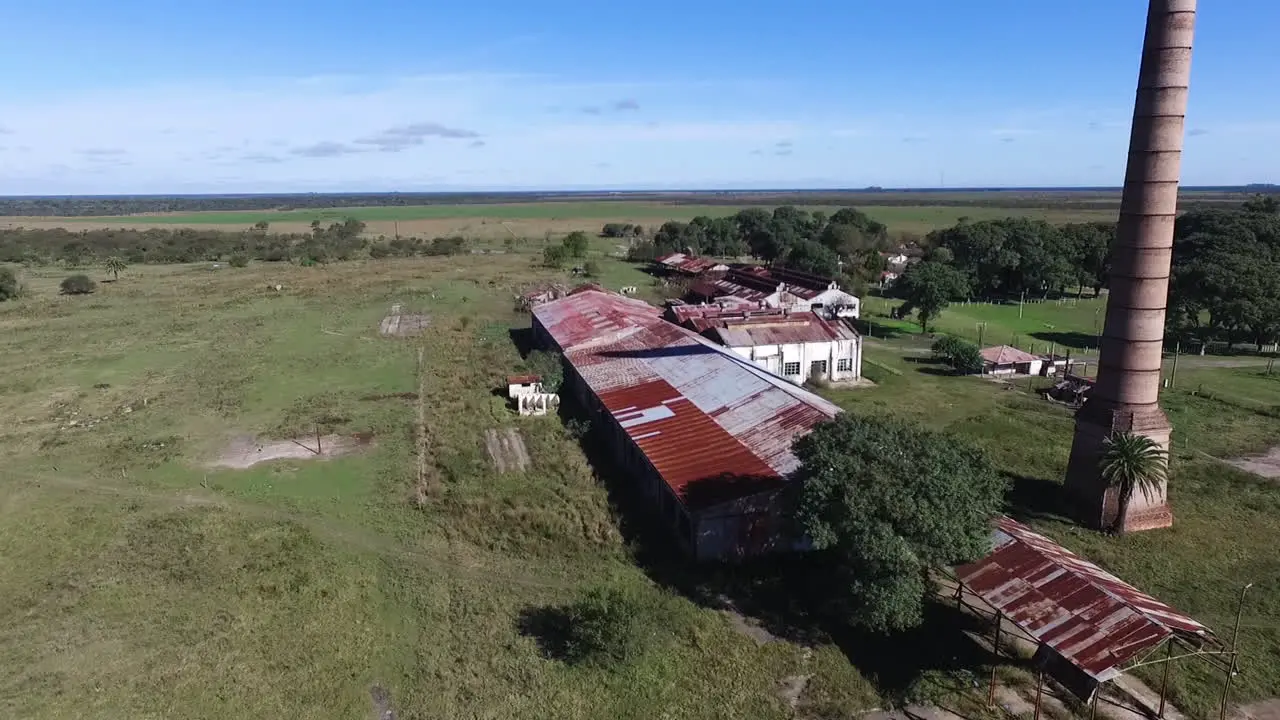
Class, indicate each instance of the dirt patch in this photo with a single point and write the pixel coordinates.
(381, 700)
(245, 452)
(792, 688)
(1264, 710)
(399, 324)
(1267, 464)
(506, 449)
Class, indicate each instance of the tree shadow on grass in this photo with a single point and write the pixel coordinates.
(1036, 499)
(1068, 340)
(549, 628)
(937, 371)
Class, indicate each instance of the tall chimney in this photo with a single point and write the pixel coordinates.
(1126, 395)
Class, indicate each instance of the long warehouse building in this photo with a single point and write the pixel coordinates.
(706, 433)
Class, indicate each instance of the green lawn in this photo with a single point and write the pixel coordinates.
(135, 581)
(1066, 323)
(905, 218)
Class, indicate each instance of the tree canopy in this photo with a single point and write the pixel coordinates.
(928, 288)
(8, 284)
(884, 501)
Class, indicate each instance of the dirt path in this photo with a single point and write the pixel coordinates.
(506, 449)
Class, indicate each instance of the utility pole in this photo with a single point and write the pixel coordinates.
(1022, 302)
(1173, 374)
(982, 327)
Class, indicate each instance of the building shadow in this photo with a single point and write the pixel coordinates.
(522, 339)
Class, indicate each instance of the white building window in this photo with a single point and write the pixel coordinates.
(844, 365)
(791, 368)
(818, 367)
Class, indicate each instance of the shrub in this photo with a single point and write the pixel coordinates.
(591, 268)
(608, 627)
(78, 285)
(550, 365)
(555, 255)
(642, 251)
(8, 284)
(577, 243)
(963, 356)
(239, 260)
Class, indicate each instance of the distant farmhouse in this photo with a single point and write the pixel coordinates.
(704, 431)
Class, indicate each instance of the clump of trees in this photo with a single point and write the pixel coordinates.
(621, 230)
(574, 245)
(77, 285)
(335, 242)
(8, 284)
(960, 355)
(883, 501)
(1226, 275)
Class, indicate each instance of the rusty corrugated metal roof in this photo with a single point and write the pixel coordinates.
(715, 426)
(776, 329)
(691, 264)
(1006, 355)
(1090, 617)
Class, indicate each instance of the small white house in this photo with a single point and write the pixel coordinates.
(795, 346)
(1006, 360)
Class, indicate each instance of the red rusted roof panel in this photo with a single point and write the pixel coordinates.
(715, 426)
(1089, 616)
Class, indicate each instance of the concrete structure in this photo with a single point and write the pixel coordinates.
(1125, 397)
(780, 288)
(1006, 360)
(796, 346)
(704, 434)
(518, 385)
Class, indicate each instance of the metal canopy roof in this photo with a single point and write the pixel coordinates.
(1091, 618)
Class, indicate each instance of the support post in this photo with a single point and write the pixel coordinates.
(1164, 680)
(1093, 706)
(995, 649)
(319, 450)
(1039, 691)
(1235, 653)
(1173, 374)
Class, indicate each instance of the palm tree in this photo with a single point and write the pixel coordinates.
(115, 265)
(1132, 463)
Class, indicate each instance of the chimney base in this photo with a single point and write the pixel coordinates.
(1095, 504)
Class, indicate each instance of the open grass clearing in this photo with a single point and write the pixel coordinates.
(297, 587)
(533, 220)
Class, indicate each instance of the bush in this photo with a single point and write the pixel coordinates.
(577, 243)
(8, 284)
(591, 268)
(550, 365)
(963, 356)
(555, 255)
(608, 627)
(642, 251)
(78, 285)
(239, 260)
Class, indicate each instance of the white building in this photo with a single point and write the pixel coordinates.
(795, 346)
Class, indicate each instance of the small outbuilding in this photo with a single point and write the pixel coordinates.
(1008, 360)
(518, 385)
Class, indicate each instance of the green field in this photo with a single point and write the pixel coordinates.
(590, 215)
(137, 581)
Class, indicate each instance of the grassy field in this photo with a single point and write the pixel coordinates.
(138, 581)
(535, 219)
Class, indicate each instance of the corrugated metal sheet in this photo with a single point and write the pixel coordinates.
(794, 328)
(1006, 355)
(1090, 617)
(715, 426)
(690, 264)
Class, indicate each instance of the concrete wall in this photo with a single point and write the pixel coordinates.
(774, 358)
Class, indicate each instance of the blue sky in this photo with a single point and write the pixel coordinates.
(143, 96)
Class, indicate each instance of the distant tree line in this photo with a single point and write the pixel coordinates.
(1225, 283)
(1076, 199)
(335, 242)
